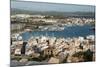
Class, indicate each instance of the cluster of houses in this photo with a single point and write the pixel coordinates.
(55, 50)
(51, 19)
(26, 22)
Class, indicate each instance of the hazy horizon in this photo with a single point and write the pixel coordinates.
(39, 6)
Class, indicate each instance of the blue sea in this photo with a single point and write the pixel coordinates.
(69, 31)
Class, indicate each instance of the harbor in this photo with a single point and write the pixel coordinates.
(36, 40)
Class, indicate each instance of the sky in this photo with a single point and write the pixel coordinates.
(40, 6)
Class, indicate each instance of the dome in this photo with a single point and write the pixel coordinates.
(20, 38)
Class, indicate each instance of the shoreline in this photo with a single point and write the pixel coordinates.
(67, 25)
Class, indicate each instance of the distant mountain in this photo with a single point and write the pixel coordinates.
(48, 7)
(54, 13)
